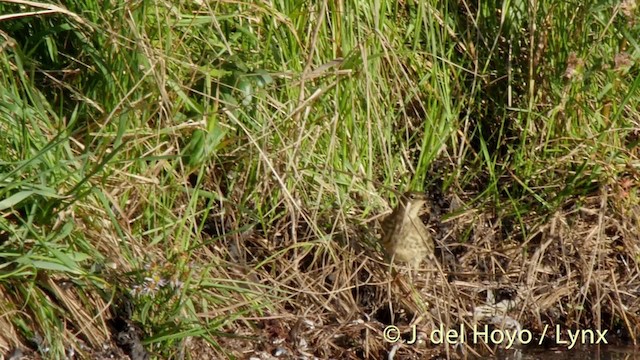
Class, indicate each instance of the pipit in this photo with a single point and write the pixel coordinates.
(404, 237)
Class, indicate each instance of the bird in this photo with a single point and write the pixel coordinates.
(404, 237)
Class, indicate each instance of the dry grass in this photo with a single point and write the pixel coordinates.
(576, 269)
(206, 180)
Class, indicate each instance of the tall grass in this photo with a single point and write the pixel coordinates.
(198, 162)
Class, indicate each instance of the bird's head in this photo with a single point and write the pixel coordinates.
(412, 202)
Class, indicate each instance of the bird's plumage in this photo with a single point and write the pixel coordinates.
(404, 237)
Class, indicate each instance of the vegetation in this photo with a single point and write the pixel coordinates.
(206, 179)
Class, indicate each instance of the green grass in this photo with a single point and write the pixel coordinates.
(207, 163)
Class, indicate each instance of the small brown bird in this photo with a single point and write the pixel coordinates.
(404, 237)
